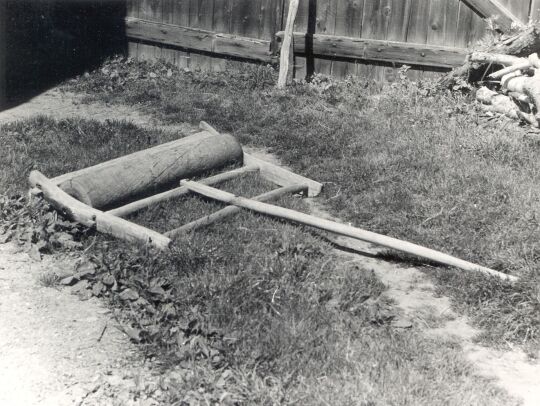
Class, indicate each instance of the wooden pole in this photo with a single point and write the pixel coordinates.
(341, 229)
(90, 217)
(231, 210)
(286, 46)
(130, 208)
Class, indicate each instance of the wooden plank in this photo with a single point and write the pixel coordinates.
(280, 176)
(132, 10)
(180, 17)
(377, 50)
(451, 23)
(245, 18)
(464, 24)
(232, 210)
(146, 52)
(167, 13)
(326, 24)
(437, 22)
(519, 8)
(534, 13)
(200, 40)
(376, 19)
(222, 16)
(201, 15)
(418, 29)
(348, 23)
(175, 193)
(375, 25)
(268, 20)
(342, 229)
(477, 30)
(399, 20)
(93, 218)
(495, 10)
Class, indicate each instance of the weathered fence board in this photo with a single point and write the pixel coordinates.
(431, 27)
(379, 50)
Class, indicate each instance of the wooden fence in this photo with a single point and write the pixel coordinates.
(338, 37)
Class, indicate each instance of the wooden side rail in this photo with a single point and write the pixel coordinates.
(199, 40)
(90, 217)
(273, 173)
(377, 50)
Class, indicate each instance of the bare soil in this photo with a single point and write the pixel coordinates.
(56, 349)
(50, 351)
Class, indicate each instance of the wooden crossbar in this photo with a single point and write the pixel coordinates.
(133, 207)
(273, 173)
(232, 210)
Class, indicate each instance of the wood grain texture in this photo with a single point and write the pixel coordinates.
(348, 23)
(535, 10)
(151, 169)
(147, 52)
(276, 174)
(201, 15)
(93, 218)
(377, 50)
(342, 229)
(200, 40)
(417, 31)
(493, 9)
(175, 193)
(232, 210)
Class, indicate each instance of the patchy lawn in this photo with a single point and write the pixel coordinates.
(403, 159)
(252, 310)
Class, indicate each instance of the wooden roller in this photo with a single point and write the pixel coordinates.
(151, 169)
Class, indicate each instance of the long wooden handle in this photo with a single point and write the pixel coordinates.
(341, 229)
(231, 210)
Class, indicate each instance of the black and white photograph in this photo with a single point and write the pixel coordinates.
(269, 202)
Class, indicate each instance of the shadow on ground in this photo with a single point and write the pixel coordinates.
(50, 41)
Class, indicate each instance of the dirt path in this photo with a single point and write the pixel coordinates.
(56, 349)
(61, 105)
(38, 360)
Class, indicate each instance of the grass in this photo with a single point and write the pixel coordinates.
(404, 159)
(252, 311)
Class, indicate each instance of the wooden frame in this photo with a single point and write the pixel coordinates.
(112, 223)
(493, 9)
(199, 40)
(377, 50)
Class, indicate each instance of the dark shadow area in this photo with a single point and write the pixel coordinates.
(311, 29)
(49, 41)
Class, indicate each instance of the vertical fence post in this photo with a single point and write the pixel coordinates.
(286, 50)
